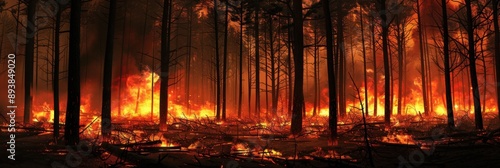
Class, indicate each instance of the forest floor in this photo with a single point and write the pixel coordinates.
(237, 143)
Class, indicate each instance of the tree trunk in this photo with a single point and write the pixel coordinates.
(188, 59)
(240, 86)
(375, 77)
(55, 72)
(364, 58)
(224, 71)
(298, 55)
(332, 102)
(497, 51)
(108, 72)
(274, 88)
(387, 85)
(217, 63)
(447, 72)
(401, 45)
(71, 129)
(29, 54)
(164, 65)
(121, 59)
(422, 62)
(289, 68)
(315, 76)
(257, 61)
(341, 58)
(249, 72)
(472, 65)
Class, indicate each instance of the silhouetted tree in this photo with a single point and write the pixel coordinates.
(332, 102)
(165, 60)
(298, 55)
(29, 54)
(497, 50)
(71, 129)
(108, 71)
(447, 71)
(472, 66)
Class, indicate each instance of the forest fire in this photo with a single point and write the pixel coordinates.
(250, 83)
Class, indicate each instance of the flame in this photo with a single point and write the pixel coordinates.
(400, 138)
(141, 97)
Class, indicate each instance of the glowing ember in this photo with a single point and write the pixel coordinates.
(399, 139)
(271, 153)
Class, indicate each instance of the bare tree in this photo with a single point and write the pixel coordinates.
(298, 55)
(108, 71)
(472, 66)
(165, 61)
(497, 50)
(71, 129)
(29, 54)
(332, 102)
(447, 71)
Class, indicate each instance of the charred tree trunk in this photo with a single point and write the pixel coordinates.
(224, 71)
(332, 102)
(108, 71)
(289, 69)
(274, 88)
(472, 67)
(257, 60)
(188, 59)
(71, 130)
(447, 72)
(315, 76)
(298, 55)
(55, 72)
(29, 54)
(164, 65)
(240, 86)
(400, 39)
(375, 77)
(249, 72)
(121, 58)
(497, 51)
(217, 63)
(387, 81)
(422, 61)
(341, 58)
(364, 57)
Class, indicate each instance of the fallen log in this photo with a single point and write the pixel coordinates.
(139, 160)
(138, 144)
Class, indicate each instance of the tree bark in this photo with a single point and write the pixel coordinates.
(257, 60)
(364, 57)
(332, 102)
(217, 63)
(497, 51)
(55, 72)
(29, 54)
(375, 77)
(224, 71)
(298, 54)
(71, 129)
(341, 58)
(164, 65)
(447, 72)
(422, 62)
(108, 72)
(387, 80)
(274, 88)
(240, 86)
(472, 67)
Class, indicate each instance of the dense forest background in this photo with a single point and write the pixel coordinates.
(249, 58)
